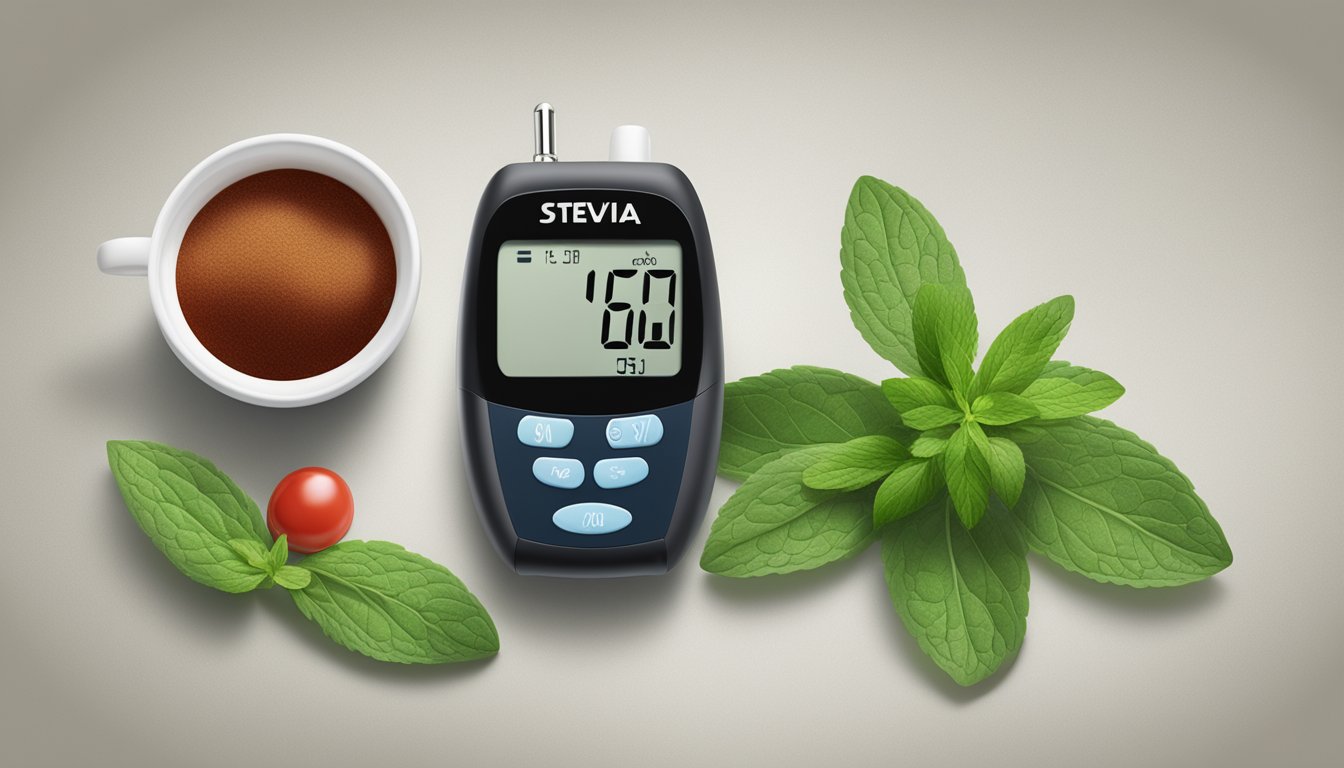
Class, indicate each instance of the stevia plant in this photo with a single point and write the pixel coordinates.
(957, 470)
(373, 597)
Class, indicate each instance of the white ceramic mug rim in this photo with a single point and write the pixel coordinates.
(349, 167)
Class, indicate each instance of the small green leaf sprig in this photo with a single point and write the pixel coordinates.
(958, 471)
(372, 597)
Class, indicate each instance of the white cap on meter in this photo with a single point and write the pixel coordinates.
(630, 144)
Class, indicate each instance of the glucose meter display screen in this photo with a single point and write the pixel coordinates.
(581, 309)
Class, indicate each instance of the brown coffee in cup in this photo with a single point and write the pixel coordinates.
(286, 274)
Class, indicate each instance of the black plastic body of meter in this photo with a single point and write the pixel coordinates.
(591, 366)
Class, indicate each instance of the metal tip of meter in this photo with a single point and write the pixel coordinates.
(543, 124)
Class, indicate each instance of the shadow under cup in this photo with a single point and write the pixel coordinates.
(246, 159)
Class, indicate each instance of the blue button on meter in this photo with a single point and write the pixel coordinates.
(558, 473)
(591, 518)
(634, 431)
(620, 473)
(545, 432)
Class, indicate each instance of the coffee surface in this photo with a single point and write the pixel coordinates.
(286, 274)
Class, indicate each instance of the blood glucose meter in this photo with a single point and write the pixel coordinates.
(591, 361)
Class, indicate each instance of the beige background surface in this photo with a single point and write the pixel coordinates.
(1179, 168)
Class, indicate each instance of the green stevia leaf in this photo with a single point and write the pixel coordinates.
(946, 334)
(768, 415)
(889, 247)
(190, 511)
(1007, 470)
(1102, 502)
(961, 593)
(931, 417)
(775, 524)
(914, 392)
(910, 487)
(376, 598)
(1021, 351)
(998, 408)
(957, 366)
(928, 446)
(293, 577)
(1064, 391)
(967, 474)
(855, 464)
(279, 554)
(252, 552)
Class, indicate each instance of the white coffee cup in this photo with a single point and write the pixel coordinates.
(156, 257)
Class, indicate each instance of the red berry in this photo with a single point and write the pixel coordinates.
(313, 506)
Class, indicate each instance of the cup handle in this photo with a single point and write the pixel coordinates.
(125, 256)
